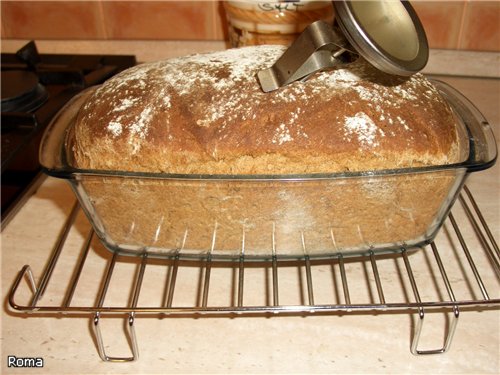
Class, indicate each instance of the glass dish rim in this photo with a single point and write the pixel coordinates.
(75, 173)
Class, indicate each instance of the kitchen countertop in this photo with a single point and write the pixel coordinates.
(338, 343)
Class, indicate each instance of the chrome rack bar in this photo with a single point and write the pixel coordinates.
(241, 271)
(173, 275)
(307, 261)
(79, 268)
(55, 254)
(418, 328)
(310, 292)
(135, 300)
(107, 279)
(487, 247)
(206, 284)
(413, 282)
(483, 221)
(343, 276)
(96, 320)
(443, 272)
(208, 269)
(26, 270)
(241, 278)
(469, 257)
(421, 314)
(172, 280)
(377, 278)
(276, 300)
(138, 282)
(275, 270)
(451, 295)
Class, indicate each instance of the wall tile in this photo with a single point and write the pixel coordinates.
(3, 35)
(481, 29)
(220, 21)
(159, 19)
(449, 24)
(442, 21)
(52, 20)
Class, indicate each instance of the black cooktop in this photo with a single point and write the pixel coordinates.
(35, 86)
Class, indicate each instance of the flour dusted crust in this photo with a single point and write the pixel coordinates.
(206, 114)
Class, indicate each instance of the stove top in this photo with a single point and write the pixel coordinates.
(34, 88)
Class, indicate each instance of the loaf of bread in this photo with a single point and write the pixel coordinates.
(206, 115)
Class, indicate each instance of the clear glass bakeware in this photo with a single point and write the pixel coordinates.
(262, 216)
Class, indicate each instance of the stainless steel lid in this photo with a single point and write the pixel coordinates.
(387, 33)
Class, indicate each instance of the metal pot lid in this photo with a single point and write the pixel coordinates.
(387, 33)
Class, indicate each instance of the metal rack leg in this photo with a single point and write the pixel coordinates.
(449, 337)
(25, 272)
(421, 314)
(131, 337)
(131, 317)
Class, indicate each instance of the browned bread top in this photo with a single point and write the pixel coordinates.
(207, 114)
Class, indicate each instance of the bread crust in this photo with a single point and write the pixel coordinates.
(206, 114)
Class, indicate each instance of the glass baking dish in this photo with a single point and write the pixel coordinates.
(260, 216)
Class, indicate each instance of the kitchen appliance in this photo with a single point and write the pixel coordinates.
(34, 88)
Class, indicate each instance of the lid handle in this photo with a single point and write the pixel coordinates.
(318, 47)
(387, 33)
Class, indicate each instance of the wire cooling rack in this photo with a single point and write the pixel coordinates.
(459, 271)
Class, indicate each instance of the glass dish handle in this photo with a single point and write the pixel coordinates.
(52, 153)
(482, 143)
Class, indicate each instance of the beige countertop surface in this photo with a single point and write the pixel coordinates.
(347, 342)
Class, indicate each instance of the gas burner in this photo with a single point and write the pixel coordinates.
(35, 86)
(22, 91)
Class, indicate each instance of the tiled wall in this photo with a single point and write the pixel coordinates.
(465, 24)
